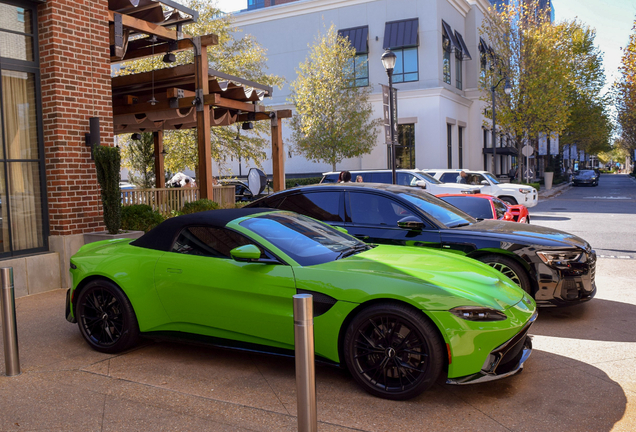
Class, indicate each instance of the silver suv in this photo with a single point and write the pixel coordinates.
(404, 177)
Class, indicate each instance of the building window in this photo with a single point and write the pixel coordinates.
(449, 141)
(446, 66)
(358, 66)
(405, 65)
(483, 58)
(359, 70)
(402, 38)
(405, 152)
(257, 4)
(458, 69)
(23, 210)
(460, 145)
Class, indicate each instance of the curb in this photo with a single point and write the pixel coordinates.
(555, 191)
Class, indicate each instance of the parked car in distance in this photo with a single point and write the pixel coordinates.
(555, 267)
(404, 177)
(398, 318)
(482, 206)
(585, 177)
(511, 193)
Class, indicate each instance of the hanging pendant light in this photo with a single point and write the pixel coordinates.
(153, 101)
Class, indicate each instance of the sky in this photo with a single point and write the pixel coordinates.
(612, 19)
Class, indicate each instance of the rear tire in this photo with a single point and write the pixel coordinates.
(106, 318)
(393, 351)
(509, 268)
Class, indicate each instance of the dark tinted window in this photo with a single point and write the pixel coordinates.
(381, 177)
(449, 177)
(330, 178)
(406, 179)
(323, 206)
(479, 208)
(500, 207)
(371, 209)
(209, 241)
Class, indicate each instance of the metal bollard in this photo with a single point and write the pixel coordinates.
(9, 327)
(305, 366)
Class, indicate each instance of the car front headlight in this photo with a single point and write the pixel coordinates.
(560, 258)
(525, 191)
(475, 313)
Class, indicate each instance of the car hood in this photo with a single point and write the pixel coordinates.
(435, 280)
(514, 186)
(525, 234)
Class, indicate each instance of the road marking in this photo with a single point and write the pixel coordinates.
(609, 197)
(616, 257)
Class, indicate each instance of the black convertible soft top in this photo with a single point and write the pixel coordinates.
(163, 235)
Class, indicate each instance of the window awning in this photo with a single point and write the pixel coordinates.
(451, 36)
(462, 44)
(399, 34)
(359, 38)
(502, 151)
(483, 46)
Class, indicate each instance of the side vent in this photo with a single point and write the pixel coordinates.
(322, 302)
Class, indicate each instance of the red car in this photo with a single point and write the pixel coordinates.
(481, 206)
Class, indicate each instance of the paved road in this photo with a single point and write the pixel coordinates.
(604, 215)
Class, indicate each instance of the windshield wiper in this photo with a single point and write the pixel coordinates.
(348, 252)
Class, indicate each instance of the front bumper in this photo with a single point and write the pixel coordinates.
(504, 361)
(69, 316)
(565, 287)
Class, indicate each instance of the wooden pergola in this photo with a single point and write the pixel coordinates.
(185, 96)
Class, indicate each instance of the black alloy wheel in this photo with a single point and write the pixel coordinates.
(510, 268)
(106, 318)
(393, 351)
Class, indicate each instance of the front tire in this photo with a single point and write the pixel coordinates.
(106, 318)
(509, 268)
(393, 351)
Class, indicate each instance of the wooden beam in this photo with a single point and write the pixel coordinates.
(173, 93)
(146, 27)
(160, 178)
(204, 176)
(182, 45)
(160, 75)
(278, 155)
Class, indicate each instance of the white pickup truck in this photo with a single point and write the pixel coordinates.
(511, 193)
(404, 177)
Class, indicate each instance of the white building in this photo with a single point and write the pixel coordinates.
(437, 42)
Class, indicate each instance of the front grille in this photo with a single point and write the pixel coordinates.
(592, 266)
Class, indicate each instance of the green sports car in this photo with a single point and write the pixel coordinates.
(397, 317)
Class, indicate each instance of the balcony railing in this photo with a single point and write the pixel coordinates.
(169, 200)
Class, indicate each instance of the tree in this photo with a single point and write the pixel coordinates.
(332, 119)
(625, 94)
(138, 158)
(234, 55)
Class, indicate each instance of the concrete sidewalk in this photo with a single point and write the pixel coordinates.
(581, 376)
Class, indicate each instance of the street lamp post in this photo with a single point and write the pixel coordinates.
(388, 61)
(507, 90)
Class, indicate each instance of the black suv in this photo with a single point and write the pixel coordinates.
(555, 267)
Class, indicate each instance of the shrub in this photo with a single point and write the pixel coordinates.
(290, 183)
(199, 206)
(140, 217)
(108, 165)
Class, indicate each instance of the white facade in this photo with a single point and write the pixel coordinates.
(287, 31)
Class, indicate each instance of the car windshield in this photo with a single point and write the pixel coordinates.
(429, 178)
(434, 208)
(491, 177)
(305, 240)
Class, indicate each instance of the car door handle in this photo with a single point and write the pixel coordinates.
(174, 270)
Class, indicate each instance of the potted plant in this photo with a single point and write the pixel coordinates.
(107, 165)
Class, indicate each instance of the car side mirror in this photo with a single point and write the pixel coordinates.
(411, 223)
(421, 183)
(485, 182)
(246, 253)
